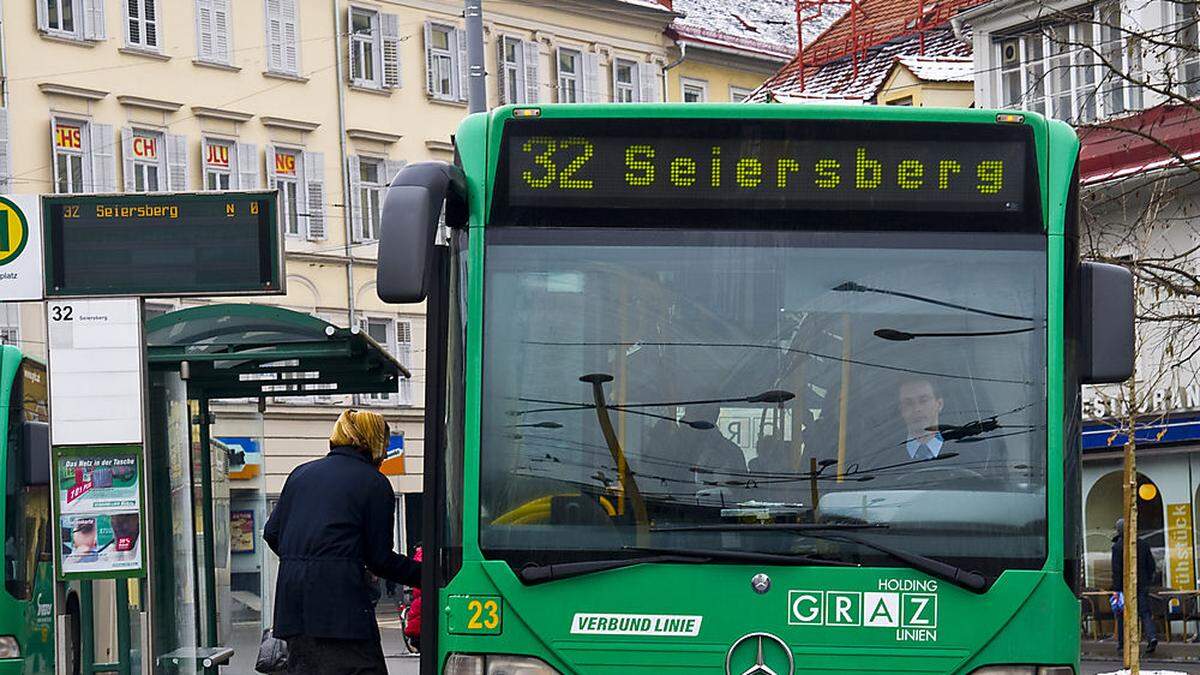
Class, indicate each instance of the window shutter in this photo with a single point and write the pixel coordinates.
(353, 60)
(390, 30)
(127, 157)
(177, 162)
(247, 166)
(151, 10)
(613, 72)
(462, 67)
(290, 36)
(355, 200)
(221, 28)
(429, 58)
(314, 192)
(93, 20)
(591, 77)
(272, 178)
(43, 18)
(502, 74)
(5, 154)
(391, 167)
(205, 50)
(531, 57)
(54, 151)
(651, 91)
(275, 35)
(404, 355)
(101, 147)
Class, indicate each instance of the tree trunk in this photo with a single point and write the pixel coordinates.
(1133, 631)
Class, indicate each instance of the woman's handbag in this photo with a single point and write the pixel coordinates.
(272, 654)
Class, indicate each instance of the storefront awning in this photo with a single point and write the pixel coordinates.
(244, 350)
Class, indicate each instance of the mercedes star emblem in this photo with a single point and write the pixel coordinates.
(760, 582)
(771, 655)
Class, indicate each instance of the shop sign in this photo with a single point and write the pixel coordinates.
(217, 155)
(145, 147)
(1179, 543)
(285, 163)
(67, 137)
(1160, 400)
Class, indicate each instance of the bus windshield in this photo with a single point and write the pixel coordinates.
(638, 381)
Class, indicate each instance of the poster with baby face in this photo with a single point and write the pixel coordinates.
(99, 511)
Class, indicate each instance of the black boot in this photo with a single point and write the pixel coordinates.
(1151, 645)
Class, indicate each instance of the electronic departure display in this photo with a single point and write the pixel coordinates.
(766, 164)
(168, 244)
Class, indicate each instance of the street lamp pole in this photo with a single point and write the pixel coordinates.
(477, 76)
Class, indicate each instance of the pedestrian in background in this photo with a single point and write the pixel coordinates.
(1145, 579)
(412, 622)
(333, 524)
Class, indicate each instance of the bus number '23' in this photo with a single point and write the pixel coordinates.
(485, 615)
(557, 160)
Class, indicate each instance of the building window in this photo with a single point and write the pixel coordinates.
(441, 59)
(1187, 35)
(282, 37)
(218, 168)
(902, 101)
(511, 74)
(60, 16)
(624, 81)
(364, 52)
(70, 153)
(694, 91)
(147, 147)
(287, 181)
(396, 337)
(570, 62)
(382, 331)
(1054, 70)
(739, 94)
(370, 181)
(10, 323)
(212, 31)
(141, 23)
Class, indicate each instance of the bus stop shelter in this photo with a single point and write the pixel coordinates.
(196, 355)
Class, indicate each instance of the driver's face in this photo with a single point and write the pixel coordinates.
(920, 407)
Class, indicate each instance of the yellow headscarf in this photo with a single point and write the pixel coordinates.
(362, 429)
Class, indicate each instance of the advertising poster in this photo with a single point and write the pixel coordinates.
(98, 508)
(241, 531)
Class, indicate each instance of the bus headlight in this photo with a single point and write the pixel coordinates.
(9, 649)
(496, 664)
(1024, 670)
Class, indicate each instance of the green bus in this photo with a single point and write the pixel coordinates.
(27, 629)
(753, 389)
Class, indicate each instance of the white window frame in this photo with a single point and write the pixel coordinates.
(214, 171)
(371, 195)
(142, 167)
(76, 31)
(359, 42)
(10, 323)
(1188, 31)
(574, 79)
(218, 53)
(739, 94)
(389, 343)
(128, 19)
(513, 75)
(1059, 74)
(619, 88)
(696, 86)
(285, 44)
(83, 154)
(449, 57)
(289, 206)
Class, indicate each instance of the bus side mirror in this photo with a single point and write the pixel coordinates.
(412, 210)
(35, 442)
(1106, 345)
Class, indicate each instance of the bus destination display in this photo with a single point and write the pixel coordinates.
(171, 244)
(557, 168)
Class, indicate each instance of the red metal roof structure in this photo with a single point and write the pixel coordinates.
(1163, 137)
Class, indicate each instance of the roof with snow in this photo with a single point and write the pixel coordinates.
(766, 27)
(940, 68)
(647, 4)
(843, 78)
(854, 56)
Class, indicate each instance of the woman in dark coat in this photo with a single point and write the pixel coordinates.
(334, 522)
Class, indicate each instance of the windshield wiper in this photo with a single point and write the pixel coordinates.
(537, 574)
(845, 532)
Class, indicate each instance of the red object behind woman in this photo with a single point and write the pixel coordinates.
(412, 627)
